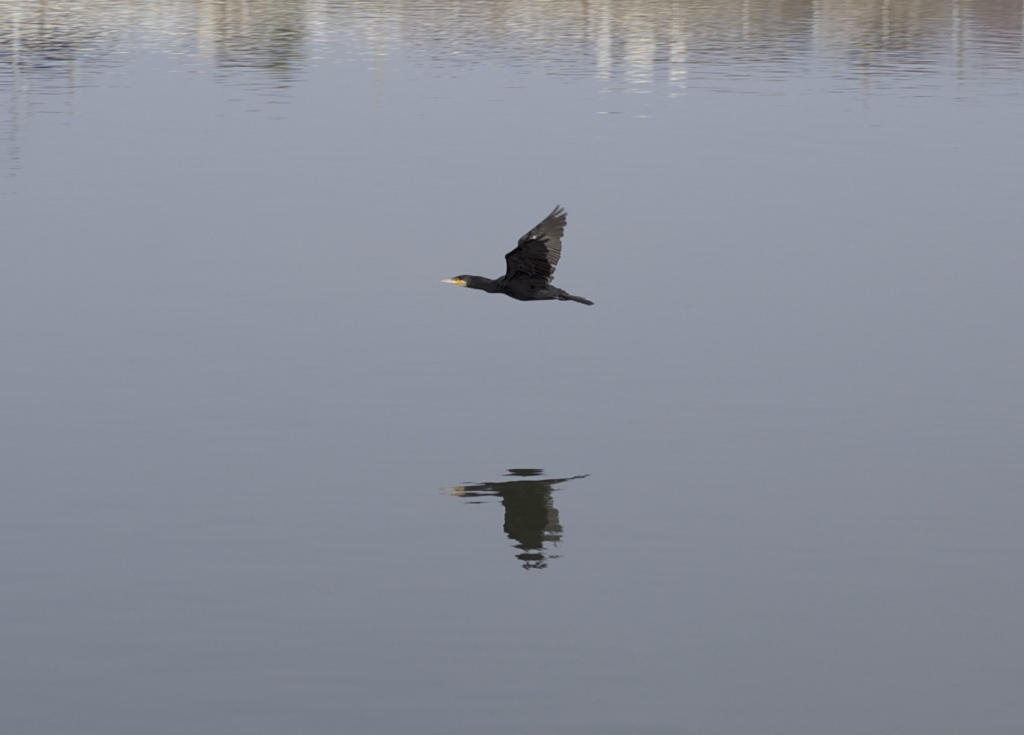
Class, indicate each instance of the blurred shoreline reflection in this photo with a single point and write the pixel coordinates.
(637, 41)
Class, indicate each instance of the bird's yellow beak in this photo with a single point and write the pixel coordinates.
(456, 281)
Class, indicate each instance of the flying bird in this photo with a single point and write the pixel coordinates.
(530, 267)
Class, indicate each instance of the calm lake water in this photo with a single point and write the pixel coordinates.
(262, 473)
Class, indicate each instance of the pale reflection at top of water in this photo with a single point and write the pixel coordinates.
(639, 41)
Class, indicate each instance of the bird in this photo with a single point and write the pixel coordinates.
(530, 266)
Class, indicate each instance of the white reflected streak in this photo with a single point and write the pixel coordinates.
(677, 57)
(638, 53)
(601, 32)
(640, 45)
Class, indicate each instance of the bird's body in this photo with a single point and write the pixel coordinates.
(529, 267)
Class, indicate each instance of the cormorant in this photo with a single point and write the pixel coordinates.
(530, 266)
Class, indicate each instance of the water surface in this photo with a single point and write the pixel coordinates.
(256, 459)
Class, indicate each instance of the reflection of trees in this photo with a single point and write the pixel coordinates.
(587, 37)
(659, 33)
(45, 36)
(531, 519)
(258, 34)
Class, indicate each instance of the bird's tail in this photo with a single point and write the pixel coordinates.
(578, 299)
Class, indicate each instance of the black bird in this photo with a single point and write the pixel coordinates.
(530, 266)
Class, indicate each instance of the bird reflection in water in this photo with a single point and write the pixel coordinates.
(531, 519)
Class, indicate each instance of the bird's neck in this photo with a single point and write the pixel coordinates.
(484, 284)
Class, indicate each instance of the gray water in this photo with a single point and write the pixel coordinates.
(262, 473)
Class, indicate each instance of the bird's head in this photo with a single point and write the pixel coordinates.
(457, 280)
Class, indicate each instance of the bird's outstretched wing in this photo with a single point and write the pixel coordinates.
(538, 251)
